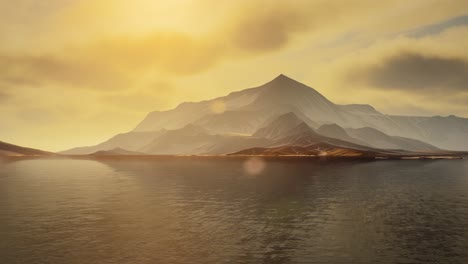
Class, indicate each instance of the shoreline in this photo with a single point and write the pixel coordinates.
(430, 157)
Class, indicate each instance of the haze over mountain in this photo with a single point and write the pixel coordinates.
(372, 137)
(335, 131)
(279, 127)
(116, 152)
(379, 139)
(282, 111)
(130, 141)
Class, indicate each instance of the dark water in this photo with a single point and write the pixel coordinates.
(212, 211)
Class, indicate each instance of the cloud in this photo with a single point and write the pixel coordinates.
(169, 52)
(268, 27)
(417, 72)
(435, 63)
(159, 94)
(115, 60)
(38, 115)
(400, 74)
(4, 96)
(436, 28)
(250, 29)
(36, 70)
(113, 51)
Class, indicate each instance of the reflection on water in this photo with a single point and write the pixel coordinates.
(212, 211)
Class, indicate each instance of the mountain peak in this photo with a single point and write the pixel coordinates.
(283, 79)
(282, 76)
(284, 89)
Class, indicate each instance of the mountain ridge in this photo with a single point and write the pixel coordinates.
(247, 111)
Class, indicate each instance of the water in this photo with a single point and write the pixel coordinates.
(189, 210)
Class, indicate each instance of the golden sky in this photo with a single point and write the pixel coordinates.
(76, 72)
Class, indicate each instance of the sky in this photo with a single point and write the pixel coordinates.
(76, 72)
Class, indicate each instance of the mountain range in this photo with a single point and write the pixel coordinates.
(283, 113)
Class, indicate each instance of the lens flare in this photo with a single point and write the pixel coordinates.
(218, 107)
(322, 153)
(254, 166)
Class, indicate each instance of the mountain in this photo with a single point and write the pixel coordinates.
(284, 93)
(179, 141)
(190, 112)
(245, 111)
(379, 139)
(271, 114)
(248, 110)
(7, 149)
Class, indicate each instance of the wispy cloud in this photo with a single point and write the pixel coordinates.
(437, 28)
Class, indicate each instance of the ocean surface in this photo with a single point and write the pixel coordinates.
(233, 210)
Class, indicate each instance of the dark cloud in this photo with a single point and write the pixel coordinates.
(268, 27)
(418, 72)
